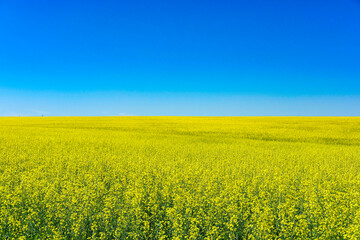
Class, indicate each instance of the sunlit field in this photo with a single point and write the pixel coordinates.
(179, 178)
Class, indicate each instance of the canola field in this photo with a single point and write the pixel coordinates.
(179, 178)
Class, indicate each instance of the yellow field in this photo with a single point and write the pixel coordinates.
(179, 178)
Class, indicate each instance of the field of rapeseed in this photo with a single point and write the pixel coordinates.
(179, 178)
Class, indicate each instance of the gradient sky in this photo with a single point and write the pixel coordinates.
(236, 58)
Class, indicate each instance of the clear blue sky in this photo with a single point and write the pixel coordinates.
(252, 57)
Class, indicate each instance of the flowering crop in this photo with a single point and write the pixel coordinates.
(179, 178)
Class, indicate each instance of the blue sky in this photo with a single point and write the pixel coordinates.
(236, 58)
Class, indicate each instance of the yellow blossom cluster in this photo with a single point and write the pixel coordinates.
(179, 178)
